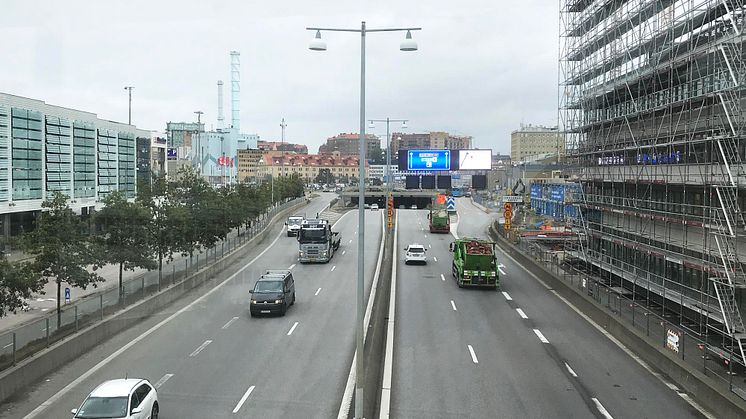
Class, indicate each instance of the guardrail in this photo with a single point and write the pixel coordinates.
(24, 341)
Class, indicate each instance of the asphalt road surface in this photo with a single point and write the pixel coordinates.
(519, 352)
(211, 359)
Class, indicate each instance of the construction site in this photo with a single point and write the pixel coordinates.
(651, 104)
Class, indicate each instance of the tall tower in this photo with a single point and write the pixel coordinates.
(221, 117)
(235, 90)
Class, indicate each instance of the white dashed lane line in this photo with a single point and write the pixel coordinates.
(334, 267)
(292, 329)
(454, 306)
(435, 259)
(521, 313)
(602, 409)
(507, 296)
(442, 277)
(200, 348)
(344, 251)
(540, 336)
(473, 355)
(243, 399)
(230, 322)
(570, 370)
(291, 267)
(318, 291)
(162, 381)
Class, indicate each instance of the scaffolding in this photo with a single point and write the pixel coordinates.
(650, 100)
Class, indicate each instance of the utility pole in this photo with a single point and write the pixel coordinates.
(129, 114)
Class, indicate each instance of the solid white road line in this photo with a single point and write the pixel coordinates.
(334, 267)
(507, 296)
(34, 413)
(453, 305)
(230, 322)
(521, 313)
(570, 370)
(243, 399)
(318, 291)
(541, 336)
(442, 277)
(602, 409)
(200, 348)
(473, 355)
(162, 381)
(435, 259)
(293, 328)
(388, 358)
(291, 267)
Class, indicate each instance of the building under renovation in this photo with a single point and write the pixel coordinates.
(651, 98)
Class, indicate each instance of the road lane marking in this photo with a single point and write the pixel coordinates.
(435, 259)
(430, 245)
(291, 267)
(350, 240)
(84, 376)
(500, 268)
(570, 370)
(293, 328)
(473, 355)
(243, 399)
(521, 313)
(453, 305)
(602, 409)
(8, 345)
(507, 296)
(442, 277)
(318, 291)
(541, 336)
(163, 380)
(230, 322)
(672, 386)
(334, 267)
(344, 251)
(425, 235)
(200, 348)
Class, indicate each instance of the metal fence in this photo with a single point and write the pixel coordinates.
(24, 341)
(707, 353)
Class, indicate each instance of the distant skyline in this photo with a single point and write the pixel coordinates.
(481, 69)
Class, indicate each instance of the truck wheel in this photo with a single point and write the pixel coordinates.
(460, 284)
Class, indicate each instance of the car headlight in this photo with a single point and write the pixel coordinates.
(302, 254)
(279, 301)
(253, 301)
(323, 253)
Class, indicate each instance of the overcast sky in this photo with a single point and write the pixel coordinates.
(483, 67)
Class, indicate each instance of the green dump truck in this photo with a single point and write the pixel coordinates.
(475, 263)
(440, 221)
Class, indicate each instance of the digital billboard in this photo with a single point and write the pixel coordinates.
(412, 182)
(444, 182)
(479, 182)
(430, 160)
(474, 159)
(428, 182)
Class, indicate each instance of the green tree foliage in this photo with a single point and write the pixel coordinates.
(123, 234)
(61, 249)
(17, 283)
(325, 176)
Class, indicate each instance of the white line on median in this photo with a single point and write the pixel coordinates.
(334, 267)
(507, 296)
(163, 380)
(293, 328)
(453, 305)
(200, 348)
(230, 322)
(442, 277)
(570, 370)
(291, 267)
(521, 313)
(473, 355)
(541, 336)
(243, 399)
(318, 291)
(602, 409)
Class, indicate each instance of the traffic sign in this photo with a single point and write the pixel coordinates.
(429, 160)
(67, 295)
(513, 198)
(451, 203)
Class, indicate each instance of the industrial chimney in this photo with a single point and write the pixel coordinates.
(221, 118)
(235, 90)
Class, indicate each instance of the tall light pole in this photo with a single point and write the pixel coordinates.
(282, 148)
(389, 189)
(129, 114)
(199, 141)
(317, 44)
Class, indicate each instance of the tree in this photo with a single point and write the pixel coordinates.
(17, 283)
(124, 234)
(325, 176)
(61, 248)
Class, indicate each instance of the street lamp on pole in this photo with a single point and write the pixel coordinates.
(199, 140)
(129, 113)
(389, 189)
(317, 44)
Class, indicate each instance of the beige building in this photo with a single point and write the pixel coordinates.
(434, 140)
(248, 164)
(309, 165)
(531, 142)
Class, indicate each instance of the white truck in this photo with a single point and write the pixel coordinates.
(317, 242)
(293, 224)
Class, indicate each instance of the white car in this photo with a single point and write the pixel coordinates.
(133, 398)
(374, 207)
(415, 253)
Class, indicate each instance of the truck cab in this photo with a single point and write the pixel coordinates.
(316, 241)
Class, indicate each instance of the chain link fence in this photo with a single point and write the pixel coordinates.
(24, 341)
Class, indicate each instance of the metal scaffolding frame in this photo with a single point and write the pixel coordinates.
(650, 99)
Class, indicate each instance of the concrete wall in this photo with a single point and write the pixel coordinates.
(43, 363)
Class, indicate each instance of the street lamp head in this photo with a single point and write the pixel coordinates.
(408, 44)
(317, 44)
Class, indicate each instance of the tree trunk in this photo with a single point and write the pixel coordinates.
(121, 287)
(59, 309)
(160, 267)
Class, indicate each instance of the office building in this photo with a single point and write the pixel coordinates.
(534, 142)
(434, 140)
(248, 164)
(349, 145)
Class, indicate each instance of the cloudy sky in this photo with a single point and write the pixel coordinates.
(483, 67)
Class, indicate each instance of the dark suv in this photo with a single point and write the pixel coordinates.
(273, 293)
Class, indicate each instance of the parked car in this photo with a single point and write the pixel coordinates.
(273, 293)
(415, 253)
(133, 398)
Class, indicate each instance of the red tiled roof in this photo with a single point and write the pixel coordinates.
(310, 160)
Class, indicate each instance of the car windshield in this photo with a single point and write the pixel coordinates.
(416, 250)
(268, 286)
(294, 221)
(103, 407)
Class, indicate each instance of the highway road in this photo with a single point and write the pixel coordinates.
(209, 358)
(517, 353)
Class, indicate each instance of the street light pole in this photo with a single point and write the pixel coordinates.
(199, 141)
(129, 113)
(317, 44)
(389, 189)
